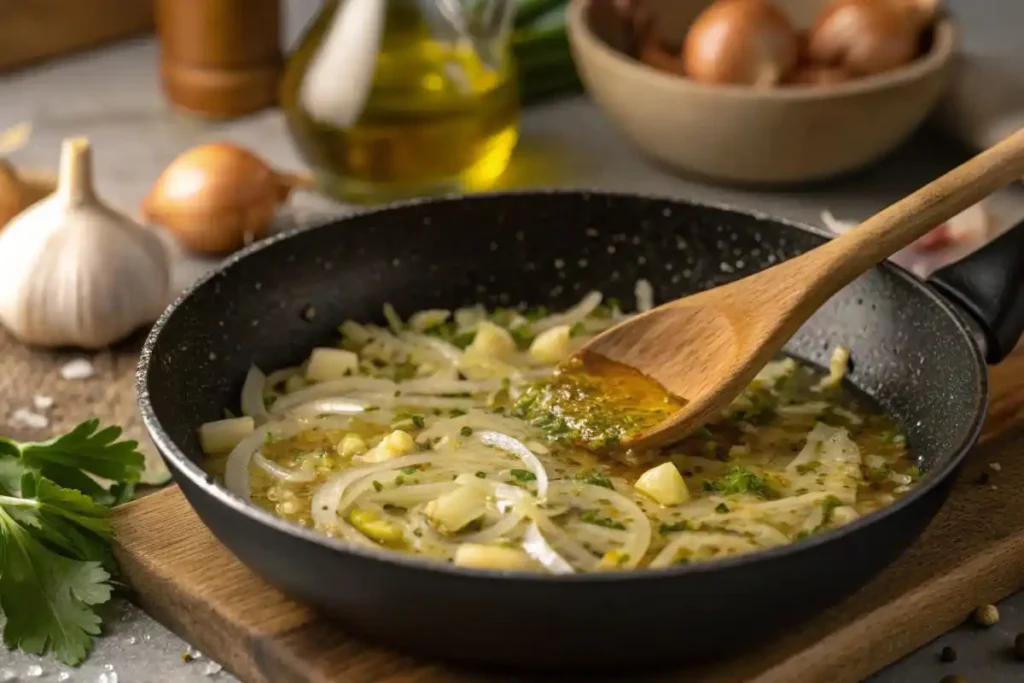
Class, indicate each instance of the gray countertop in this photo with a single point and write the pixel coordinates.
(113, 97)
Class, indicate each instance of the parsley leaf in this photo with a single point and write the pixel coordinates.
(55, 557)
(739, 479)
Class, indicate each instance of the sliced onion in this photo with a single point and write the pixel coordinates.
(639, 531)
(334, 406)
(517, 447)
(578, 556)
(449, 352)
(338, 387)
(236, 469)
(252, 401)
(506, 524)
(280, 376)
(432, 386)
(537, 547)
(282, 473)
(696, 540)
(570, 317)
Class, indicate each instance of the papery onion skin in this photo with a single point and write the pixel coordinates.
(214, 197)
(742, 42)
(863, 37)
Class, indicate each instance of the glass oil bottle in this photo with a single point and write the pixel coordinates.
(388, 99)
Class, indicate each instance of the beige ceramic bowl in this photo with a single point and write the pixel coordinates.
(741, 135)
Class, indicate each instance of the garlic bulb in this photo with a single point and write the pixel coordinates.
(76, 272)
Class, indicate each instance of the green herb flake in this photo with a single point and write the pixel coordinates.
(806, 467)
(466, 431)
(595, 518)
(481, 475)
(666, 528)
(377, 486)
(594, 478)
(740, 479)
(523, 475)
(721, 508)
(411, 469)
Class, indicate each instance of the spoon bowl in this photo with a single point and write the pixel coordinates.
(705, 348)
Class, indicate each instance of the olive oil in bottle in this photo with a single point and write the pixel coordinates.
(439, 111)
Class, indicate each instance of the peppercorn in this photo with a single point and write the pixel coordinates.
(986, 615)
(948, 654)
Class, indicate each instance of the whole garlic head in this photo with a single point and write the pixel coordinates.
(76, 272)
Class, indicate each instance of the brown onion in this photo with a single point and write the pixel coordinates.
(652, 53)
(863, 36)
(747, 42)
(216, 197)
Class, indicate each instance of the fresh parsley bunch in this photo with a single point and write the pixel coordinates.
(55, 556)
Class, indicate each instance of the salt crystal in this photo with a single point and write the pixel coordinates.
(212, 668)
(26, 418)
(80, 368)
(133, 640)
(107, 678)
(64, 676)
(108, 667)
(42, 402)
(995, 466)
(34, 671)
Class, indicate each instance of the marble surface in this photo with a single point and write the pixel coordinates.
(113, 97)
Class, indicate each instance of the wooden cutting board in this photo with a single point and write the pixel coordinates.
(973, 553)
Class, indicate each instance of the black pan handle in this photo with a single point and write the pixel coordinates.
(989, 286)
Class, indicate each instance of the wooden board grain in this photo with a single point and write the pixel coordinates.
(34, 30)
(973, 553)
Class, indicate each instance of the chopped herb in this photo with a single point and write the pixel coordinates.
(481, 475)
(464, 340)
(466, 431)
(828, 508)
(522, 336)
(667, 528)
(739, 479)
(394, 509)
(595, 478)
(704, 433)
(377, 486)
(268, 437)
(593, 517)
(722, 508)
(523, 475)
(417, 533)
(370, 409)
(399, 480)
(914, 472)
(397, 393)
(802, 534)
(805, 467)
(456, 412)
(577, 330)
(411, 469)
(877, 474)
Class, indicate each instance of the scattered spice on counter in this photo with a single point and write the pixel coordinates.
(986, 615)
(947, 655)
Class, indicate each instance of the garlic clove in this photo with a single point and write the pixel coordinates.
(76, 272)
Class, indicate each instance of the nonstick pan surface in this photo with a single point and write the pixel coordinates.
(912, 353)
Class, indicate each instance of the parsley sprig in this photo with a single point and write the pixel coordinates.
(55, 557)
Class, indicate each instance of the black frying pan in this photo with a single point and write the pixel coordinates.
(912, 352)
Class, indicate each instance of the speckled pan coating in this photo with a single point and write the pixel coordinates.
(271, 303)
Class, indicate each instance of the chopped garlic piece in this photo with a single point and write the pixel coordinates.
(664, 484)
(432, 317)
(838, 367)
(372, 525)
(454, 510)
(352, 444)
(394, 445)
(223, 435)
(42, 402)
(492, 341)
(326, 364)
(479, 556)
(552, 346)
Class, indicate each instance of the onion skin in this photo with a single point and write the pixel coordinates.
(215, 197)
(814, 75)
(863, 37)
(652, 53)
(742, 42)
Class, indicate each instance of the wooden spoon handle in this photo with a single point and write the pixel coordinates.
(885, 233)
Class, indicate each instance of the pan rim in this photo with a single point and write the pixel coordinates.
(185, 466)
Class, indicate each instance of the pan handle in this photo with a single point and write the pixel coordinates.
(989, 286)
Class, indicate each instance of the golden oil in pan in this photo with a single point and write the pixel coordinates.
(436, 120)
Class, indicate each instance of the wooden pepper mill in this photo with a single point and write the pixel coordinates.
(220, 58)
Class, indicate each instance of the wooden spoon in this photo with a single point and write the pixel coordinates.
(707, 347)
